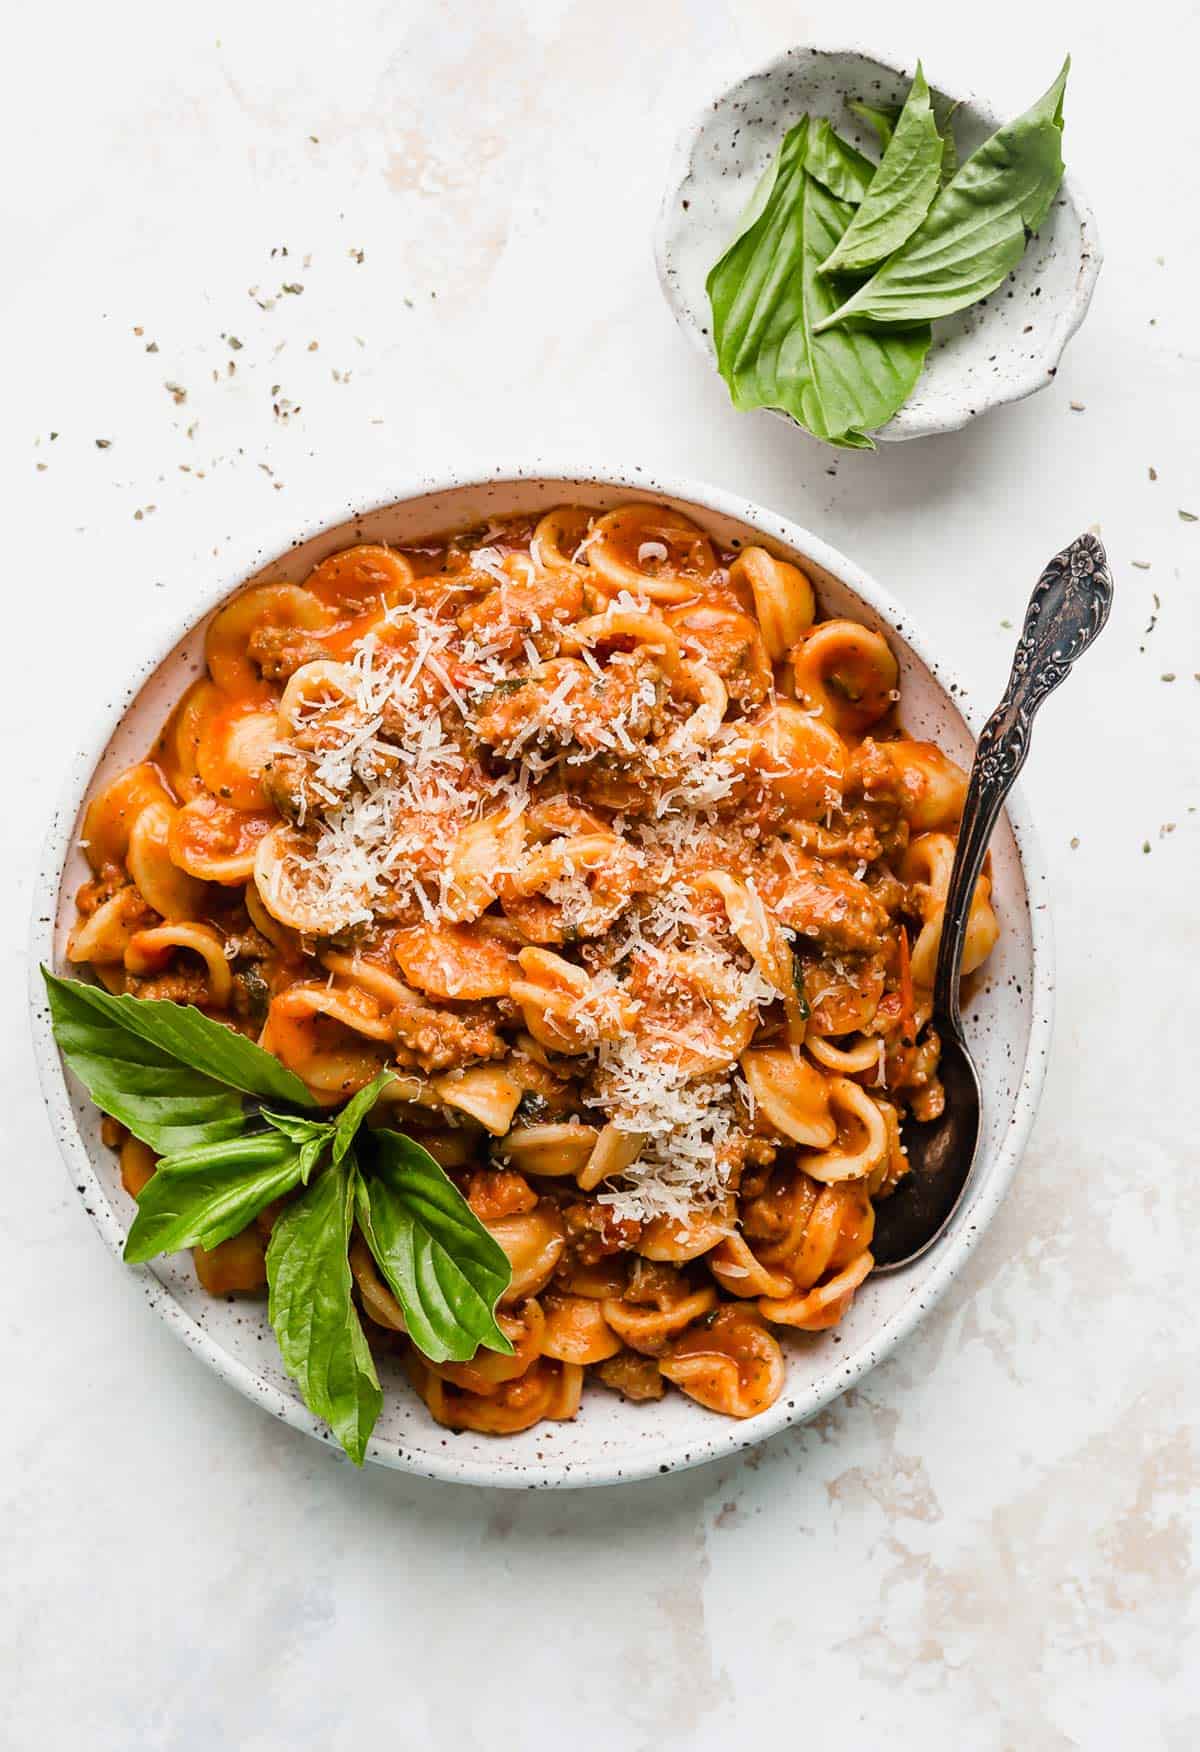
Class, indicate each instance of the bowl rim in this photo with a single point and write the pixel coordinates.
(728, 1436)
(1025, 381)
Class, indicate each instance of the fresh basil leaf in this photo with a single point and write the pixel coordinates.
(975, 232)
(183, 1034)
(301, 1131)
(164, 1103)
(205, 1195)
(311, 1135)
(949, 147)
(837, 166)
(768, 297)
(355, 1111)
(445, 1270)
(310, 1155)
(883, 121)
(763, 189)
(901, 191)
(320, 1336)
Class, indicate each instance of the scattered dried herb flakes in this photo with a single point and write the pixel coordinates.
(1075, 842)
(177, 393)
(294, 287)
(1145, 846)
(358, 255)
(1152, 622)
(1168, 676)
(1153, 473)
(1189, 517)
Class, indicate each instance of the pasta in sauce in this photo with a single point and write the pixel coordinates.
(615, 850)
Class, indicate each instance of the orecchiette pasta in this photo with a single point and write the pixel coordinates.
(926, 867)
(611, 849)
(162, 884)
(846, 673)
(783, 599)
(213, 842)
(651, 551)
(730, 1363)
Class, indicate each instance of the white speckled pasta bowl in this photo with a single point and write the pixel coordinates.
(611, 1441)
(995, 352)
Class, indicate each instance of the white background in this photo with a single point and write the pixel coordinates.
(986, 1546)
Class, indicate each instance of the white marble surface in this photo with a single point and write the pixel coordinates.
(988, 1546)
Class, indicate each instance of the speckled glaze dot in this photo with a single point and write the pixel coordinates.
(611, 1441)
(997, 351)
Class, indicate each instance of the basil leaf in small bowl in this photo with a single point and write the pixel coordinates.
(769, 297)
(975, 232)
(900, 193)
(1001, 347)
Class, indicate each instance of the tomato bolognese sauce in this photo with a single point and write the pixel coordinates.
(612, 847)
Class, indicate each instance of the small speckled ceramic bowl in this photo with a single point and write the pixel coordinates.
(994, 352)
(611, 1441)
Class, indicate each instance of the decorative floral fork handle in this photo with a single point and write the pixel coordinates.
(1069, 606)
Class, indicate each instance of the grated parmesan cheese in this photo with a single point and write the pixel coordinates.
(391, 777)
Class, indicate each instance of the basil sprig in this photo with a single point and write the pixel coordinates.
(822, 303)
(180, 1082)
(976, 230)
(769, 296)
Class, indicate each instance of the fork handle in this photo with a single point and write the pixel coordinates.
(1069, 606)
